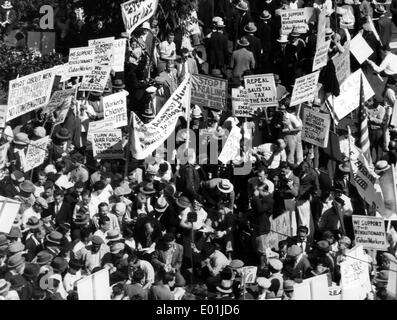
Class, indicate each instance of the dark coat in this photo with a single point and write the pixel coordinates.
(64, 215)
(384, 26)
(262, 209)
(217, 49)
(189, 182)
(32, 249)
(159, 257)
(255, 48)
(206, 12)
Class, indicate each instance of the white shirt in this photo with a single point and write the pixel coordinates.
(148, 270)
(266, 149)
(166, 49)
(70, 279)
(388, 65)
(201, 217)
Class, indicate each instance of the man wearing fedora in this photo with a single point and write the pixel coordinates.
(243, 18)
(266, 36)
(242, 59)
(8, 17)
(254, 42)
(217, 47)
(17, 150)
(383, 25)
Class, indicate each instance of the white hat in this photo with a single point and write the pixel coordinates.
(145, 25)
(151, 89)
(50, 168)
(7, 5)
(283, 38)
(263, 282)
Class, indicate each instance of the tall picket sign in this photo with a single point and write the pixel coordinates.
(135, 12)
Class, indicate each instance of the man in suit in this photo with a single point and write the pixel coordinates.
(297, 265)
(301, 239)
(169, 81)
(34, 244)
(8, 17)
(60, 210)
(168, 256)
(135, 290)
(384, 25)
(255, 43)
(242, 59)
(206, 13)
(217, 47)
(244, 17)
(186, 66)
(266, 36)
(393, 10)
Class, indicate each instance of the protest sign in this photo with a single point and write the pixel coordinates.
(393, 120)
(305, 88)
(97, 79)
(388, 187)
(355, 280)
(36, 152)
(282, 227)
(29, 93)
(135, 12)
(148, 137)
(104, 53)
(293, 19)
(335, 293)
(231, 149)
(321, 26)
(240, 103)
(107, 144)
(349, 97)
(96, 286)
(392, 281)
(94, 42)
(3, 154)
(315, 128)
(319, 287)
(115, 109)
(209, 92)
(360, 48)
(370, 232)
(62, 71)
(249, 274)
(365, 180)
(8, 211)
(261, 90)
(3, 115)
(119, 46)
(101, 125)
(81, 61)
(60, 98)
(302, 291)
(321, 58)
(342, 64)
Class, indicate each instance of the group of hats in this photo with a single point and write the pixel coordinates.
(218, 22)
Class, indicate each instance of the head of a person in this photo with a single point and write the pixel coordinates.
(39, 233)
(79, 188)
(104, 223)
(170, 38)
(98, 187)
(138, 276)
(106, 178)
(344, 244)
(170, 65)
(96, 243)
(86, 196)
(262, 174)
(41, 178)
(168, 240)
(60, 167)
(59, 195)
(49, 189)
(184, 54)
(148, 227)
(279, 145)
(329, 236)
(282, 247)
(133, 263)
(263, 189)
(168, 279)
(302, 233)
(285, 169)
(103, 209)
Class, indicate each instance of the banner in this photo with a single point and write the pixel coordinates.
(104, 53)
(119, 47)
(355, 280)
(261, 90)
(370, 232)
(360, 48)
(293, 19)
(36, 153)
(282, 225)
(305, 88)
(3, 115)
(115, 109)
(9, 209)
(365, 180)
(335, 293)
(62, 71)
(101, 125)
(29, 93)
(321, 58)
(342, 64)
(96, 80)
(240, 103)
(209, 92)
(349, 97)
(148, 137)
(107, 144)
(315, 128)
(249, 274)
(81, 61)
(231, 149)
(96, 286)
(60, 98)
(387, 184)
(94, 42)
(135, 12)
(3, 154)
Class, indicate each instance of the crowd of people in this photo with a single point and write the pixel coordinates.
(174, 226)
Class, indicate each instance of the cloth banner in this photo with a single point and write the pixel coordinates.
(315, 129)
(208, 92)
(36, 153)
(97, 79)
(135, 12)
(115, 109)
(81, 61)
(240, 103)
(29, 93)
(95, 286)
(148, 137)
(305, 88)
(231, 149)
(261, 90)
(349, 97)
(370, 232)
(107, 144)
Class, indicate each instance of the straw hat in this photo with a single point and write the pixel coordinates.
(283, 38)
(265, 15)
(225, 186)
(7, 5)
(243, 42)
(381, 166)
(243, 6)
(21, 138)
(250, 28)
